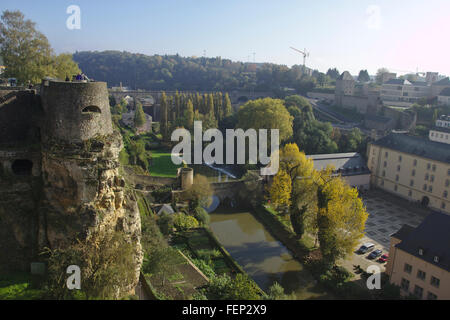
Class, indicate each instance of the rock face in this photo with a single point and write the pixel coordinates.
(75, 185)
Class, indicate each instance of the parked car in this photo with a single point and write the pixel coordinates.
(375, 254)
(366, 247)
(383, 258)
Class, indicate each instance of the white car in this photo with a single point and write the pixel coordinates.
(366, 247)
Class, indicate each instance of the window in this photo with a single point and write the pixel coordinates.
(386, 155)
(424, 187)
(447, 183)
(384, 173)
(409, 193)
(404, 284)
(398, 168)
(432, 178)
(427, 177)
(421, 274)
(428, 166)
(436, 259)
(418, 292)
(397, 177)
(407, 268)
(443, 205)
(413, 173)
(448, 172)
(435, 282)
(399, 158)
(445, 194)
(431, 296)
(385, 164)
(415, 163)
(420, 252)
(430, 188)
(434, 167)
(411, 183)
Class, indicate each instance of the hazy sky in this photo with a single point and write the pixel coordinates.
(347, 34)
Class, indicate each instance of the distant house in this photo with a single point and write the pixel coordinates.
(419, 258)
(351, 166)
(165, 208)
(444, 97)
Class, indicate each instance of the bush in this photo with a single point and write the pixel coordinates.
(166, 223)
(184, 222)
(202, 216)
(240, 288)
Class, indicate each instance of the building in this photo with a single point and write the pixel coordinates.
(441, 132)
(351, 166)
(403, 93)
(444, 97)
(439, 86)
(412, 167)
(385, 77)
(419, 258)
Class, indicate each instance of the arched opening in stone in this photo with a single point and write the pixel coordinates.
(91, 109)
(22, 167)
(425, 201)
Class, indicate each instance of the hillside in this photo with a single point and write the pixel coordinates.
(180, 73)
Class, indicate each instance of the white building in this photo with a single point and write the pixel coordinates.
(441, 132)
(403, 93)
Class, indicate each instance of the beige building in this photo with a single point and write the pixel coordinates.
(441, 132)
(412, 167)
(403, 93)
(419, 258)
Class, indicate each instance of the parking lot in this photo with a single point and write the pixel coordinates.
(387, 214)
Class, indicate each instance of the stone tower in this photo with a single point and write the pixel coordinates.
(75, 111)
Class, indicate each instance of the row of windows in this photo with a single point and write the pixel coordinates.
(435, 282)
(418, 291)
(425, 188)
(400, 158)
(437, 135)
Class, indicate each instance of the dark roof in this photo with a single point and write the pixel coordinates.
(397, 81)
(433, 237)
(347, 164)
(442, 82)
(346, 76)
(418, 146)
(445, 92)
(441, 129)
(419, 83)
(403, 232)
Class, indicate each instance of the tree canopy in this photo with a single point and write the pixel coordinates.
(266, 113)
(27, 54)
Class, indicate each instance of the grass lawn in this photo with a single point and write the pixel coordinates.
(162, 165)
(17, 286)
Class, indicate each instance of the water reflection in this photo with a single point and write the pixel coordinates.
(264, 258)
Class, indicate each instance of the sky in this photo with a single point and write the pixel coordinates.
(401, 35)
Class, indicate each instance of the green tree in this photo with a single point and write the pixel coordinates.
(189, 116)
(363, 76)
(227, 106)
(164, 121)
(266, 113)
(333, 73)
(199, 193)
(139, 116)
(162, 261)
(26, 51)
(65, 66)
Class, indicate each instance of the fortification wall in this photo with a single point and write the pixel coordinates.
(75, 111)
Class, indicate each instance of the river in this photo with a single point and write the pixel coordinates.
(264, 258)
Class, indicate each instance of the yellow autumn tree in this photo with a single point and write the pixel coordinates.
(341, 217)
(280, 190)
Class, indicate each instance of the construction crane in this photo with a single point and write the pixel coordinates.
(305, 55)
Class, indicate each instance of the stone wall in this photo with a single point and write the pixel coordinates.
(75, 111)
